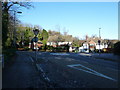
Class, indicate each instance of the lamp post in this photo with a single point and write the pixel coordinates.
(36, 31)
(14, 32)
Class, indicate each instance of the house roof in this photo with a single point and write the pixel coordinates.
(93, 40)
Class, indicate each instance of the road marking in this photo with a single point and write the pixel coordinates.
(58, 58)
(43, 73)
(31, 59)
(39, 68)
(69, 59)
(83, 54)
(39, 53)
(91, 71)
(59, 54)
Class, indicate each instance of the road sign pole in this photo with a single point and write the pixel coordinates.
(36, 50)
(36, 31)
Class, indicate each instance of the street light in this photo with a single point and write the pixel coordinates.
(14, 32)
(36, 31)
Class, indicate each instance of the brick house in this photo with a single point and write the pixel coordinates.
(91, 44)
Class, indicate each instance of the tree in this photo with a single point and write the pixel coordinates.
(28, 35)
(76, 42)
(117, 48)
(110, 44)
(93, 36)
(68, 38)
(6, 7)
(44, 36)
(52, 33)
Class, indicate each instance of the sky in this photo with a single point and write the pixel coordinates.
(77, 18)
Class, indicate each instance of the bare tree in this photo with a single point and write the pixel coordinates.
(7, 6)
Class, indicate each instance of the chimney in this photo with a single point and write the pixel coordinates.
(86, 37)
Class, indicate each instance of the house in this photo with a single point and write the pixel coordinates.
(54, 44)
(91, 44)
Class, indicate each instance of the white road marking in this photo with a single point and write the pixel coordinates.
(39, 68)
(58, 58)
(69, 59)
(83, 54)
(91, 71)
(39, 53)
(59, 54)
(47, 79)
(43, 74)
(31, 59)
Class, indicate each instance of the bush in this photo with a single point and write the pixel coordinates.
(26, 48)
(116, 49)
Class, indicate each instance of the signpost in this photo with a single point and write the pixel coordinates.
(99, 45)
(35, 39)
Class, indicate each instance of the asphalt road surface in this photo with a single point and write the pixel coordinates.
(61, 70)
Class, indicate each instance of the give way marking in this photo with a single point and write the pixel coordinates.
(89, 70)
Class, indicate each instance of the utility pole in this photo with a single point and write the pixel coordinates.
(36, 31)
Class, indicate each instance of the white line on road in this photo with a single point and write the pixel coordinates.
(91, 71)
(69, 59)
(59, 54)
(31, 59)
(39, 68)
(58, 58)
(43, 74)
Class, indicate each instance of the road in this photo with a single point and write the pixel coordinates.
(65, 70)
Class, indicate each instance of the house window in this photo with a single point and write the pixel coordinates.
(91, 44)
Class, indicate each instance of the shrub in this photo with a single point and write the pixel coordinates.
(116, 49)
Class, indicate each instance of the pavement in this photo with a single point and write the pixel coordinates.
(59, 70)
(21, 74)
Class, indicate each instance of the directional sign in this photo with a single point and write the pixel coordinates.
(99, 41)
(35, 39)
